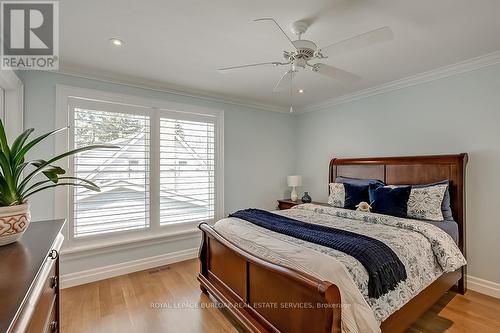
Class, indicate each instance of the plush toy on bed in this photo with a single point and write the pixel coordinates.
(363, 206)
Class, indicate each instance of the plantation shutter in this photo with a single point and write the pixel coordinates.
(122, 174)
(187, 170)
(163, 172)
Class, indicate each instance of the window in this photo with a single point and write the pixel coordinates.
(187, 173)
(11, 103)
(122, 174)
(164, 172)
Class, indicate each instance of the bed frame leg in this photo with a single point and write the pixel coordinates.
(203, 289)
(461, 286)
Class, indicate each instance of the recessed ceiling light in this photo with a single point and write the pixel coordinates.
(301, 91)
(116, 42)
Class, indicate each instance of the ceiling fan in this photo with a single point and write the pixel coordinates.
(306, 54)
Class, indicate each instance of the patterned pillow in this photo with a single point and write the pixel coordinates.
(446, 204)
(337, 195)
(425, 202)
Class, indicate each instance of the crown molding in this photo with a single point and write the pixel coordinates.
(142, 83)
(432, 75)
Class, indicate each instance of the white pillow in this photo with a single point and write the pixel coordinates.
(424, 203)
(337, 195)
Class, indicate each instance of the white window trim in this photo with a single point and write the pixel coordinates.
(62, 200)
(13, 109)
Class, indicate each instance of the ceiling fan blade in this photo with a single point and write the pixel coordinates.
(335, 73)
(365, 39)
(279, 27)
(274, 63)
(284, 81)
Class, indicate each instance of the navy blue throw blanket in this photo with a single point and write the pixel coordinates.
(384, 268)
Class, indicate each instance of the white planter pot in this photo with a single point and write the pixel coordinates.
(14, 221)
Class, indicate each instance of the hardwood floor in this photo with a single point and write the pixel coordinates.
(139, 302)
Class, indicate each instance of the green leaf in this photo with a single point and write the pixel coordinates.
(61, 184)
(37, 163)
(4, 145)
(4, 187)
(9, 194)
(24, 150)
(33, 187)
(52, 176)
(4, 163)
(52, 172)
(20, 140)
(43, 165)
(19, 171)
(5, 166)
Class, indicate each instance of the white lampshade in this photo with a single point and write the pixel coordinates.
(295, 180)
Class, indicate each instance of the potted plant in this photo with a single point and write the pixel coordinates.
(18, 180)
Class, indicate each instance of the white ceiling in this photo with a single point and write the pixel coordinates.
(180, 43)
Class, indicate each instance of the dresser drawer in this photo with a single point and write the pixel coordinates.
(46, 304)
(53, 324)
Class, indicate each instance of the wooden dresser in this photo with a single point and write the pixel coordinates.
(29, 280)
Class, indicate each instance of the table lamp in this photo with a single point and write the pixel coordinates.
(293, 182)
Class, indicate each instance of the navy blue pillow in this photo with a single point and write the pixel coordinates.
(389, 200)
(354, 194)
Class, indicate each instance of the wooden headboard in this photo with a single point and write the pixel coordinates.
(412, 170)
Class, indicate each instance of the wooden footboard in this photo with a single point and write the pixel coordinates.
(265, 297)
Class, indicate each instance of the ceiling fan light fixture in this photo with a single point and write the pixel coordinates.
(116, 42)
(299, 63)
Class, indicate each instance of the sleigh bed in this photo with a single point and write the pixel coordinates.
(265, 296)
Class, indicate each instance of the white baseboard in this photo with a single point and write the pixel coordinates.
(483, 286)
(106, 272)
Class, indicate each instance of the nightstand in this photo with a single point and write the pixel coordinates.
(288, 203)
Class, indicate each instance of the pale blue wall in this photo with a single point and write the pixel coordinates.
(257, 151)
(452, 115)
